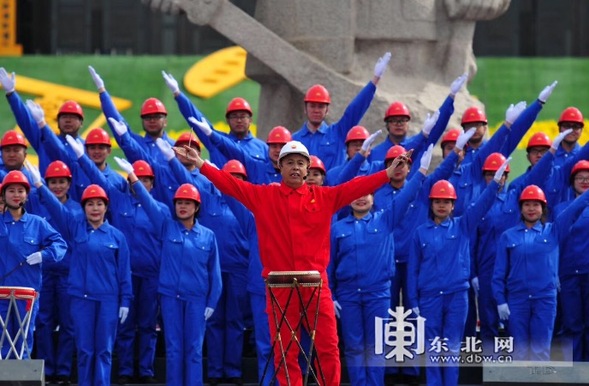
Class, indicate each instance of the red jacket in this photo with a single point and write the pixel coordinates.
(293, 224)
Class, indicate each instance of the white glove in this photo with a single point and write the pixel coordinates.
(119, 127)
(8, 80)
(123, 313)
(34, 258)
(165, 148)
(559, 138)
(464, 138)
(458, 83)
(503, 311)
(209, 312)
(370, 140)
(426, 158)
(96, 78)
(475, 285)
(35, 174)
(204, 125)
(501, 170)
(171, 82)
(77, 147)
(337, 308)
(415, 310)
(381, 64)
(124, 165)
(545, 94)
(513, 111)
(430, 122)
(36, 111)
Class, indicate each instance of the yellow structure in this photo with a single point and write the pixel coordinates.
(8, 45)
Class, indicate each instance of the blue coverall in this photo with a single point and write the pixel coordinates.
(19, 239)
(526, 278)
(360, 273)
(189, 281)
(438, 276)
(129, 216)
(99, 283)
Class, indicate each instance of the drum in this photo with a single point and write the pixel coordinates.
(288, 279)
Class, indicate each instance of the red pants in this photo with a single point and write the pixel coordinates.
(326, 340)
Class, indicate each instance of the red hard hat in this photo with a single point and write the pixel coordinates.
(357, 133)
(472, 115)
(451, 136)
(539, 140)
(186, 138)
(153, 106)
(571, 114)
(15, 177)
(187, 192)
(142, 169)
(233, 166)
(279, 135)
(580, 166)
(71, 107)
(443, 189)
(13, 137)
(316, 163)
(394, 152)
(98, 136)
(532, 193)
(238, 104)
(58, 169)
(318, 94)
(493, 162)
(397, 109)
(93, 191)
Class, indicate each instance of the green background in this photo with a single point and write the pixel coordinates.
(498, 82)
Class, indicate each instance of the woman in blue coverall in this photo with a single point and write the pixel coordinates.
(190, 278)
(26, 240)
(573, 270)
(438, 273)
(361, 269)
(54, 306)
(525, 278)
(99, 280)
(129, 216)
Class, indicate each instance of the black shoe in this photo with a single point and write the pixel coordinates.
(411, 379)
(50, 379)
(148, 380)
(214, 381)
(124, 380)
(235, 381)
(62, 380)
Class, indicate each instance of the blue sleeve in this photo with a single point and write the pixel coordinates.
(476, 211)
(60, 214)
(214, 271)
(124, 272)
(54, 147)
(405, 197)
(446, 111)
(537, 174)
(133, 151)
(157, 214)
(229, 148)
(54, 246)
(188, 109)
(520, 127)
(568, 216)
(331, 268)
(110, 111)
(443, 171)
(24, 120)
(348, 170)
(493, 145)
(413, 264)
(355, 111)
(500, 271)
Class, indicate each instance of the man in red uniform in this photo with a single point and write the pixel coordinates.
(293, 221)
